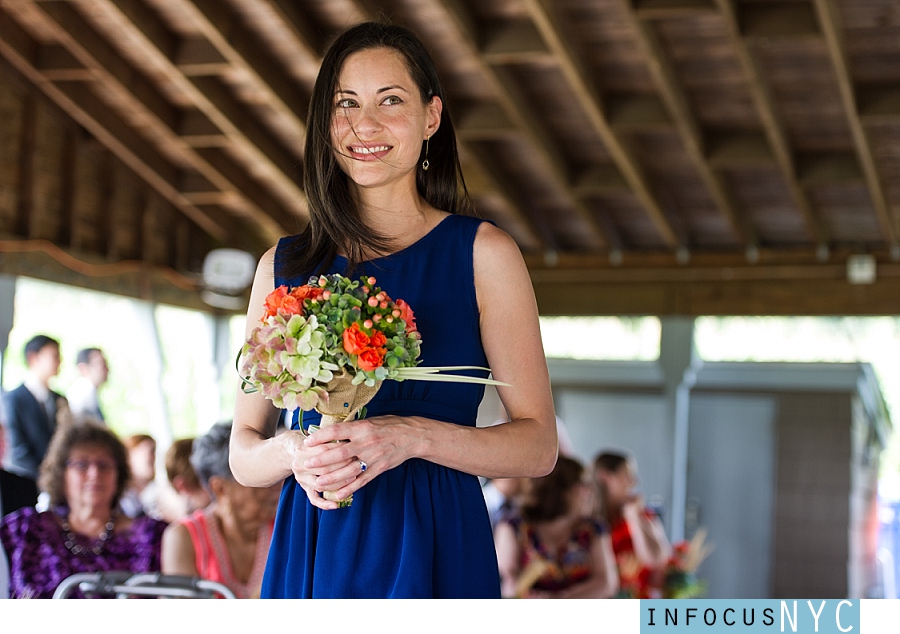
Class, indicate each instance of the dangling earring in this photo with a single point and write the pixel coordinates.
(425, 163)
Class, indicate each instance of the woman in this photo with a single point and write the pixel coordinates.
(141, 497)
(226, 542)
(638, 537)
(553, 549)
(387, 199)
(84, 473)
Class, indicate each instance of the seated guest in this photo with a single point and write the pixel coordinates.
(84, 474)
(185, 493)
(15, 491)
(638, 538)
(141, 496)
(553, 549)
(228, 541)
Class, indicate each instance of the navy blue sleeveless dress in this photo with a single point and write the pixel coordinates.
(420, 530)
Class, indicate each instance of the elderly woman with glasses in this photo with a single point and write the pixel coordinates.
(84, 474)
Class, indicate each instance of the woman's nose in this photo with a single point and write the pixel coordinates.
(367, 121)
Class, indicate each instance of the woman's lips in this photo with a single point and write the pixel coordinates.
(368, 152)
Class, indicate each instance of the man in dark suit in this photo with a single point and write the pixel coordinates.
(15, 491)
(29, 411)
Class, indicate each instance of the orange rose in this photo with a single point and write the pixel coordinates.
(355, 340)
(369, 359)
(274, 300)
(378, 339)
(307, 292)
(406, 314)
(290, 305)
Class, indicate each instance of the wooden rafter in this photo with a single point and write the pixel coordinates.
(160, 48)
(829, 20)
(144, 100)
(579, 79)
(676, 100)
(21, 52)
(773, 126)
(242, 48)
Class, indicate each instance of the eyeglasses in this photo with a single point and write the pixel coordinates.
(82, 466)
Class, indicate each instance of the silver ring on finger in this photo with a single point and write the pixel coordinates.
(362, 465)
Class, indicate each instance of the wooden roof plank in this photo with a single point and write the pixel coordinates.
(578, 78)
(159, 47)
(14, 46)
(676, 99)
(86, 46)
(241, 46)
(829, 19)
(773, 125)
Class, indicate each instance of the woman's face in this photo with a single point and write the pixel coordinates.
(142, 460)
(619, 484)
(91, 476)
(379, 121)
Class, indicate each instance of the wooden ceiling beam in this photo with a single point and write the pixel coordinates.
(590, 100)
(830, 21)
(787, 291)
(229, 33)
(22, 55)
(773, 126)
(677, 102)
(154, 42)
(309, 41)
(153, 110)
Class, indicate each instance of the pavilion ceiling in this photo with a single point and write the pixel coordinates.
(648, 156)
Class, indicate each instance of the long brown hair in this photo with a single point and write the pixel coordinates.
(335, 218)
(548, 497)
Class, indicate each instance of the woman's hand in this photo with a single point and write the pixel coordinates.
(333, 456)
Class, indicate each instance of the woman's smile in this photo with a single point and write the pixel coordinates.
(369, 152)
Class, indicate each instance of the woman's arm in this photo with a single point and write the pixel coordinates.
(178, 555)
(258, 457)
(508, 557)
(651, 546)
(510, 332)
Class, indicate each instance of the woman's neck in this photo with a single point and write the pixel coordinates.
(234, 531)
(88, 519)
(394, 210)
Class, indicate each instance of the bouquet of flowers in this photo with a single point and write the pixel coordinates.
(328, 345)
(681, 571)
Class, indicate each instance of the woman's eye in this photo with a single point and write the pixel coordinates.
(346, 103)
(392, 101)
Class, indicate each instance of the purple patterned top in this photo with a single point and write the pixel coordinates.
(39, 560)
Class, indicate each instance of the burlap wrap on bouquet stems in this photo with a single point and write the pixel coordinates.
(344, 402)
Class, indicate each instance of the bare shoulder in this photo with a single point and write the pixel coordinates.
(494, 247)
(266, 266)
